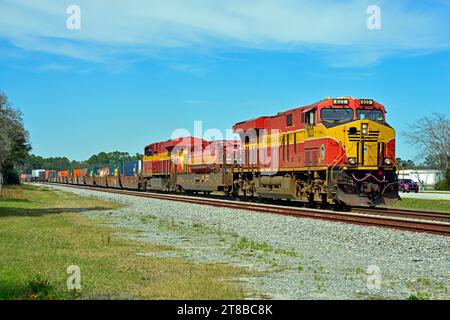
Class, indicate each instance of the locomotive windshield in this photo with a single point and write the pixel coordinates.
(336, 115)
(370, 114)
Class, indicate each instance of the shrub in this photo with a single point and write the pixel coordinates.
(444, 185)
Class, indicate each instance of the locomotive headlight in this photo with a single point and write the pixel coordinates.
(365, 128)
(352, 161)
(388, 161)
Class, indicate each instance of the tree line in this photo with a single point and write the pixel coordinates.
(102, 159)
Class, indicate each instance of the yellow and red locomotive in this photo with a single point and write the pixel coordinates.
(336, 150)
(189, 164)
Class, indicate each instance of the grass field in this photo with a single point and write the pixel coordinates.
(42, 233)
(432, 205)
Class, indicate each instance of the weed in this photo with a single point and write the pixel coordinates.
(245, 244)
(424, 281)
(424, 295)
(360, 270)
(147, 219)
(290, 253)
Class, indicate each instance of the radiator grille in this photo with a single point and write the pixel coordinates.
(372, 136)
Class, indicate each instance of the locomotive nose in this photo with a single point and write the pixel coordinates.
(363, 140)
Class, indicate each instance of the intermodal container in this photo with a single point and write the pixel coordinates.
(49, 173)
(116, 169)
(63, 174)
(132, 168)
(103, 172)
(36, 173)
(80, 173)
(92, 171)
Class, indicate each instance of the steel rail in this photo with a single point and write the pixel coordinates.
(405, 213)
(394, 219)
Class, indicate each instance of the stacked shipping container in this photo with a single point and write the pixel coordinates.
(102, 176)
(132, 168)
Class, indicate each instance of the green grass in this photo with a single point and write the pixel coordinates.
(42, 233)
(244, 244)
(432, 205)
(423, 288)
(435, 191)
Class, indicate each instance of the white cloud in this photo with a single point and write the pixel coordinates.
(335, 29)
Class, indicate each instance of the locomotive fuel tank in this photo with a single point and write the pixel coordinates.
(276, 187)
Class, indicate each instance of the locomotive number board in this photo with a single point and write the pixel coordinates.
(366, 102)
(340, 101)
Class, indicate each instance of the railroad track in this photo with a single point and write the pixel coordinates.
(405, 213)
(417, 221)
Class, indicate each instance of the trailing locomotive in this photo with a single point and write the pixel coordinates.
(189, 164)
(338, 151)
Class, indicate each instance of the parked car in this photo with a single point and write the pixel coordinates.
(407, 185)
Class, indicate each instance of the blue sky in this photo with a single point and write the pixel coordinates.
(137, 70)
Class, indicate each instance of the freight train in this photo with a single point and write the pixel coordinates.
(337, 151)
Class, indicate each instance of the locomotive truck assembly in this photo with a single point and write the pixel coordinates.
(336, 151)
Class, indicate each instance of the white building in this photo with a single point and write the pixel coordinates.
(426, 179)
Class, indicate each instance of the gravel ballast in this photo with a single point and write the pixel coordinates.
(291, 258)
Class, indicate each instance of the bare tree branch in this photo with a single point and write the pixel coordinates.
(431, 136)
